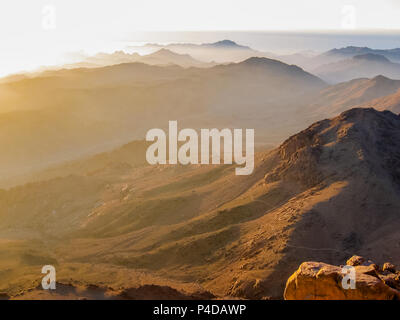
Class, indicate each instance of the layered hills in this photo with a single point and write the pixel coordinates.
(224, 51)
(65, 114)
(351, 51)
(160, 57)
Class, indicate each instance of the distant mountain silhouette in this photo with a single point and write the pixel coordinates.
(165, 57)
(371, 57)
(313, 62)
(122, 102)
(226, 44)
(159, 57)
(360, 66)
(340, 97)
(351, 51)
(223, 51)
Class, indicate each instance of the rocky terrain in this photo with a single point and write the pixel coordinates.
(321, 281)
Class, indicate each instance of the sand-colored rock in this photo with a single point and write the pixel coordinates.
(389, 267)
(321, 281)
(355, 261)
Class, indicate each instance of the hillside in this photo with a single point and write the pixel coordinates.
(325, 194)
(390, 102)
(358, 92)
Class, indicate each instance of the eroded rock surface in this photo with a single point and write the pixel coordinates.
(321, 281)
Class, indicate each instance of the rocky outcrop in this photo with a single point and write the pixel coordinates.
(321, 281)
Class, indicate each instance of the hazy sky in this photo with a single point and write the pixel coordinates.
(42, 28)
(120, 15)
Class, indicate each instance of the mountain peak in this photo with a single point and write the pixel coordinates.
(349, 50)
(260, 61)
(225, 43)
(345, 146)
(353, 49)
(164, 52)
(371, 57)
(367, 115)
(380, 78)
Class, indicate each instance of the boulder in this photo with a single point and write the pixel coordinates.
(359, 261)
(390, 279)
(355, 261)
(321, 281)
(389, 267)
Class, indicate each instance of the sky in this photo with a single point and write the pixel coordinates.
(37, 32)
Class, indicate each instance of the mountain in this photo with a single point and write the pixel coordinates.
(305, 59)
(96, 109)
(312, 62)
(351, 51)
(165, 57)
(358, 92)
(326, 193)
(226, 44)
(226, 51)
(223, 51)
(390, 102)
(105, 59)
(360, 66)
(161, 57)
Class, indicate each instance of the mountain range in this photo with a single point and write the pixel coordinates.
(160, 57)
(95, 109)
(223, 51)
(351, 51)
(311, 62)
(92, 108)
(334, 66)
